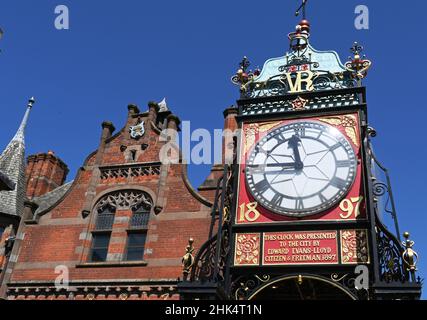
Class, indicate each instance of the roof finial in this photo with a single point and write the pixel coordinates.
(31, 102)
(302, 6)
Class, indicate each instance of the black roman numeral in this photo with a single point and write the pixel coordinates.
(335, 146)
(300, 131)
(299, 205)
(262, 186)
(338, 183)
(277, 200)
(343, 163)
(260, 149)
(280, 138)
(255, 169)
(322, 198)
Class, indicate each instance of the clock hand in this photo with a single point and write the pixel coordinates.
(261, 169)
(284, 164)
(280, 172)
(293, 143)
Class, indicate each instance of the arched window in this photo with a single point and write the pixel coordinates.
(137, 233)
(102, 233)
(140, 203)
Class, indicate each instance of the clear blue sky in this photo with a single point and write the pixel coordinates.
(131, 51)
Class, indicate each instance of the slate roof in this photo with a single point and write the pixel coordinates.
(12, 164)
(49, 199)
(6, 183)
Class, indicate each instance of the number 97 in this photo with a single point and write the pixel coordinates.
(350, 206)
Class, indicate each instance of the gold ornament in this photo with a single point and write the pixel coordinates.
(348, 122)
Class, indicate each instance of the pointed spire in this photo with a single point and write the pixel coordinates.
(20, 134)
(12, 165)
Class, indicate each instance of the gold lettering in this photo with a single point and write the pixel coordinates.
(296, 85)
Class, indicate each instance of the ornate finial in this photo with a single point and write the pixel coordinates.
(188, 259)
(31, 102)
(303, 8)
(409, 256)
(356, 49)
(244, 64)
(358, 66)
(299, 38)
(244, 76)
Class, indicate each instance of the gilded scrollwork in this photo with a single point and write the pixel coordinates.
(354, 246)
(251, 131)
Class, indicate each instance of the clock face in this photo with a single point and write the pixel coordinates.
(301, 168)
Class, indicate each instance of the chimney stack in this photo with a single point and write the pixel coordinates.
(44, 172)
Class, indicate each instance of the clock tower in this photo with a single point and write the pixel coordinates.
(300, 212)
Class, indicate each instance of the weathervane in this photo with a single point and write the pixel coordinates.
(302, 7)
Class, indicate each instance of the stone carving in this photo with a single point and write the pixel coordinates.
(124, 200)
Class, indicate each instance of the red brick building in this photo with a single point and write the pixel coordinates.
(294, 211)
(119, 229)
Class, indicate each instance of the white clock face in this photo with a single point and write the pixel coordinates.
(301, 168)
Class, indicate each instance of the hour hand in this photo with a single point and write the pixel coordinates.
(293, 143)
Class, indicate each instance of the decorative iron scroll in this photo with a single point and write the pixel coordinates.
(125, 200)
(212, 258)
(245, 286)
(130, 171)
(390, 257)
(391, 252)
(278, 85)
(348, 280)
(298, 73)
(204, 264)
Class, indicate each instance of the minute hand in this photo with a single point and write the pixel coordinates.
(285, 164)
(293, 143)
